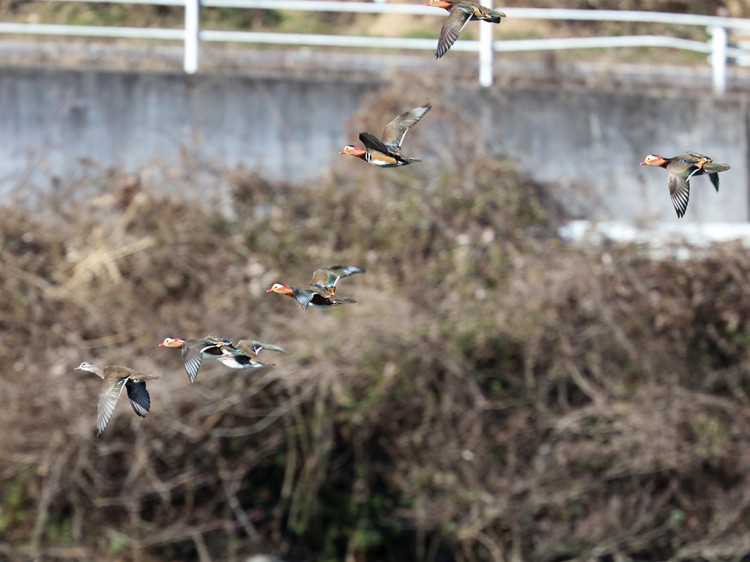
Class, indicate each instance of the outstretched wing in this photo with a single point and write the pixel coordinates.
(714, 177)
(107, 402)
(694, 157)
(302, 297)
(454, 24)
(192, 355)
(372, 143)
(713, 172)
(211, 341)
(139, 397)
(327, 277)
(395, 131)
(679, 192)
(256, 346)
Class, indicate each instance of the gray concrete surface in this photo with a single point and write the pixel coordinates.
(285, 128)
(587, 138)
(592, 141)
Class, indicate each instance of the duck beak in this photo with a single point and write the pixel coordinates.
(643, 163)
(342, 151)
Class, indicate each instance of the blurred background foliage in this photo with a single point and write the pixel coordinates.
(496, 393)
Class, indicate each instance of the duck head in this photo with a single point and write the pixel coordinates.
(86, 366)
(172, 342)
(654, 160)
(281, 288)
(353, 151)
(439, 4)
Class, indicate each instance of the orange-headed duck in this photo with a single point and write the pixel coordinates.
(680, 169)
(322, 291)
(461, 12)
(386, 152)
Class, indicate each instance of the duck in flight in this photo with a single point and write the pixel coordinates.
(386, 151)
(117, 378)
(679, 171)
(461, 12)
(322, 291)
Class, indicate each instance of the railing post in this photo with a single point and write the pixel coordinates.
(192, 31)
(719, 42)
(485, 51)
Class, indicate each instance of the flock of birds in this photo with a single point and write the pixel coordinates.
(384, 152)
(321, 293)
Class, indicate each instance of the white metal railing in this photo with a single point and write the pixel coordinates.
(191, 35)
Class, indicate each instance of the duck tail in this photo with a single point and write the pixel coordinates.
(712, 167)
(494, 17)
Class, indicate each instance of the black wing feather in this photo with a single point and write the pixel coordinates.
(374, 143)
(139, 397)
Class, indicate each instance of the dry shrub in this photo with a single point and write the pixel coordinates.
(494, 395)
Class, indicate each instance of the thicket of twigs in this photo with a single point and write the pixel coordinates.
(495, 394)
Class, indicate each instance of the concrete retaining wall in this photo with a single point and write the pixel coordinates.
(590, 140)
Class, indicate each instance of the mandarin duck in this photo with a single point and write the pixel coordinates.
(322, 291)
(680, 169)
(244, 355)
(194, 351)
(461, 12)
(115, 379)
(386, 152)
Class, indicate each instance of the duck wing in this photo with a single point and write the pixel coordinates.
(326, 278)
(693, 157)
(454, 24)
(213, 341)
(303, 297)
(714, 177)
(373, 144)
(679, 192)
(713, 172)
(107, 402)
(321, 297)
(192, 356)
(395, 131)
(139, 397)
(256, 346)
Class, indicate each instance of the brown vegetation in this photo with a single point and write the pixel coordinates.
(495, 394)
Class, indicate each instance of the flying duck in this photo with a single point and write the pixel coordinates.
(194, 351)
(322, 291)
(115, 379)
(386, 151)
(680, 169)
(460, 12)
(244, 355)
